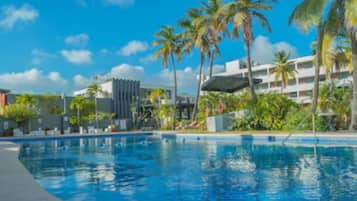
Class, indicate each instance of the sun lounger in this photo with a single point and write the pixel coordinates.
(18, 133)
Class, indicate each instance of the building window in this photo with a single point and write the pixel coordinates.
(305, 65)
(275, 84)
(305, 93)
(308, 80)
(292, 82)
(262, 86)
(293, 95)
(260, 73)
(343, 75)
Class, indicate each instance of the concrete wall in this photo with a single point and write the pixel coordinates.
(124, 93)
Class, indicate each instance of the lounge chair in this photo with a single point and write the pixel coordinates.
(91, 130)
(67, 131)
(18, 133)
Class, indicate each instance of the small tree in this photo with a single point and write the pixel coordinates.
(26, 99)
(84, 109)
(50, 103)
(20, 113)
(93, 91)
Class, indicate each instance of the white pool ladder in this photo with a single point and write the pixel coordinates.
(300, 124)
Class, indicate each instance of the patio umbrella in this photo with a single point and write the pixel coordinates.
(228, 84)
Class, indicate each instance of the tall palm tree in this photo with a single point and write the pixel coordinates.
(93, 91)
(211, 23)
(332, 18)
(241, 14)
(169, 47)
(195, 35)
(339, 57)
(308, 15)
(283, 69)
(78, 104)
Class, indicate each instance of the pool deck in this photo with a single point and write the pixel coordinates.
(17, 184)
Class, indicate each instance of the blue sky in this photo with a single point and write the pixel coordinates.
(57, 46)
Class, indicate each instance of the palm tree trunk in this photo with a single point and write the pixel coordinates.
(211, 64)
(175, 91)
(354, 76)
(96, 112)
(250, 72)
(195, 109)
(78, 117)
(315, 93)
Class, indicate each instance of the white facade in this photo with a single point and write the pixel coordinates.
(107, 88)
(298, 89)
(145, 90)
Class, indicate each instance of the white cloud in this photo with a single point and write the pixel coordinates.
(78, 57)
(12, 15)
(33, 81)
(148, 59)
(81, 82)
(39, 56)
(80, 40)
(263, 50)
(133, 47)
(120, 3)
(186, 79)
(104, 51)
(126, 71)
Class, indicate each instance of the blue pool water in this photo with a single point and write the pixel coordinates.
(148, 168)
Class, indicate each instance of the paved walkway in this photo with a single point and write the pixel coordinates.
(16, 183)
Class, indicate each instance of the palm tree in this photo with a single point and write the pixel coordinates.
(169, 47)
(211, 23)
(283, 69)
(333, 18)
(93, 91)
(27, 99)
(195, 35)
(156, 95)
(241, 14)
(77, 104)
(307, 15)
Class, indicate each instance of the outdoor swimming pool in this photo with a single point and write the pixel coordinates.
(152, 169)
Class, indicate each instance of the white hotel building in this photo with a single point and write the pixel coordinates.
(298, 89)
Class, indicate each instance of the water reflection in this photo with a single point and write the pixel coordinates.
(149, 168)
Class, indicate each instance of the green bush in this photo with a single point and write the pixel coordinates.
(271, 110)
(243, 124)
(20, 113)
(303, 117)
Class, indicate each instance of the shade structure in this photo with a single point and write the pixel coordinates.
(228, 84)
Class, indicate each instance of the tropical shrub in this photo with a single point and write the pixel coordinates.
(244, 123)
(51, 104)
(217, 103)
(270, 112)
(20, 113)
(300, 119)
(164, 114)
(82, 111)
(336, 100)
